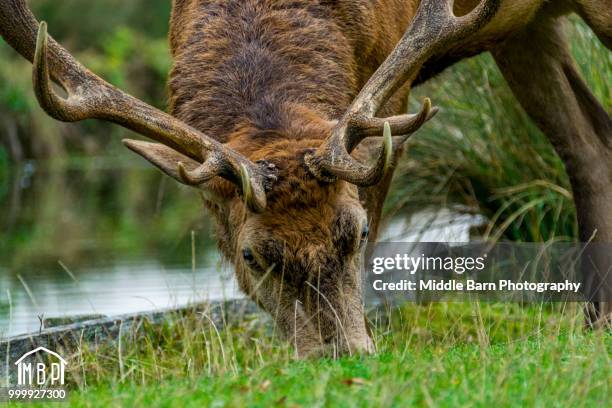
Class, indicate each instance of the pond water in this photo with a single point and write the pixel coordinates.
(100, 237)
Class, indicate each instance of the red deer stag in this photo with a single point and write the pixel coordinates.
(278, 105)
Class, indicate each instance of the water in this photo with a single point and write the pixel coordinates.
(111, 290)
(108, 238)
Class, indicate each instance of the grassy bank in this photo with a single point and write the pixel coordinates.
(551, 372)
(429, 355)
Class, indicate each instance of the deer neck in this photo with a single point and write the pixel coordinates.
(252, 67)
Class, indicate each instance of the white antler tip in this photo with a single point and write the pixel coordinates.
(387, 144)
(387, 130)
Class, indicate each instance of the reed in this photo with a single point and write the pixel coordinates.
(483, 155)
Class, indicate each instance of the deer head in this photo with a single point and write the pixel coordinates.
(290, 216)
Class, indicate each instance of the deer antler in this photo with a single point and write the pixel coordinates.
(90, 97)
(434, 29)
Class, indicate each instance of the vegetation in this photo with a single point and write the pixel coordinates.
(443, 355)
(115, 39)
(483, 155)
(101, 212)
(81, 171)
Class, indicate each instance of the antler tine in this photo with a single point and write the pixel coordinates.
(89, 96)
(215, 166)
(361, 127)
(212, 166)
(342, 166)
(434, 29)
(205, 172)
(57, 107)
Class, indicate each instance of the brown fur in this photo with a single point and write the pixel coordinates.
(269, 78)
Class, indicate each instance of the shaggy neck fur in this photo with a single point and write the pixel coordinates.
(259, 69)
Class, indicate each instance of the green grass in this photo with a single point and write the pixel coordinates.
(462, 354)
(563, 372)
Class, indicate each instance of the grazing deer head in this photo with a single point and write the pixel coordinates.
(287, 202)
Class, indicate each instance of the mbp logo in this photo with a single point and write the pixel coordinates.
(35, 373)
(40, 376)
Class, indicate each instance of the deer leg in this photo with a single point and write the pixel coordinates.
(537, 65)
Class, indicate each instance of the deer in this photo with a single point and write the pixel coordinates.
(289, 117)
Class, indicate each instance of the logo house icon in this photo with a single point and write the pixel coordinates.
(30, 374)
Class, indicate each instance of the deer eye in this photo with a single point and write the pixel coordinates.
(248, 257)
(365, 230)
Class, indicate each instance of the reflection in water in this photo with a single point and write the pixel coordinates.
(115, 290)
(100, 237)
(107, 237)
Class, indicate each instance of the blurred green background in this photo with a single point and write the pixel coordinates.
(125, 42)
(75, 184)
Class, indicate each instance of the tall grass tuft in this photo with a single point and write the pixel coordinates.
(483, 155)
